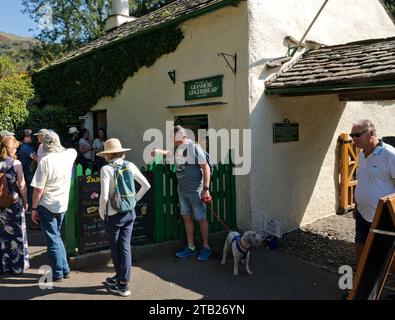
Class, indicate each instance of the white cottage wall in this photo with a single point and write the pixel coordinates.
(296, 182)
(142, 102)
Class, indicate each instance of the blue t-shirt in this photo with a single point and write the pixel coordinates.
(24, 152)
(188, 156)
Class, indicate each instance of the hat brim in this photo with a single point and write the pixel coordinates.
(100, 154)
(74, 132)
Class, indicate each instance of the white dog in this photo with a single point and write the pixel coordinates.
(240, 247)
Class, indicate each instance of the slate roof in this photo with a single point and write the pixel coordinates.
(168, 14)
(352, 63)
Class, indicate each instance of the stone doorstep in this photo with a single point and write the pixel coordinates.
(103, 257)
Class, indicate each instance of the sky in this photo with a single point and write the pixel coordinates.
(12, 20)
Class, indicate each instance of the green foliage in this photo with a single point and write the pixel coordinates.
(140, 8)
(79, 84)
(50, 117)
(65, 25)
(72, 24)
(15, 91)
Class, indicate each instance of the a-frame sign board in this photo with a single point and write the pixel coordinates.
(378, 253)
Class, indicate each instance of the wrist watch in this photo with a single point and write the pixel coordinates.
(206, 188)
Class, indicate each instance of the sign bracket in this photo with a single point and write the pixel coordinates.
(226, 56)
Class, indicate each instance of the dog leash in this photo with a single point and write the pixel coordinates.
(208, 201)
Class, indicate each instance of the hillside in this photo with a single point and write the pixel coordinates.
(12, 46)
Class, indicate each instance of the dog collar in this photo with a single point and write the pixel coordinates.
(238, 246)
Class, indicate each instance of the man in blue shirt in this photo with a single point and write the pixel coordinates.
(27, 155)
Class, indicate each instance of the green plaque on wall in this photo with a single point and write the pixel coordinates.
(203, 88)
(285, 132)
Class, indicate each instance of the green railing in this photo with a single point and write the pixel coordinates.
(71, 221)
(168, 223)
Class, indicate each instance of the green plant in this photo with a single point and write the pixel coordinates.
(15, 91)
(52, 117)
(80, 83)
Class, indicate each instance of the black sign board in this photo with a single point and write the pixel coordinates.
(143, 228)
(378, 253)
(92, 235)
(285, 132)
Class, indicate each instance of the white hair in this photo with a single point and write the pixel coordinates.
(366, 124)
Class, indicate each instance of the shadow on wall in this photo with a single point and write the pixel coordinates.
(287, 174)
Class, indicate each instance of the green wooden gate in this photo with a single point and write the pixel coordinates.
(168, 223)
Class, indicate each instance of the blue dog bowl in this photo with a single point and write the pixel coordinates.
(272, 242)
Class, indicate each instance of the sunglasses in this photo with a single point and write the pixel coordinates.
(358, 134)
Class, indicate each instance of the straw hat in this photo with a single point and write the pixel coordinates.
(112, 146)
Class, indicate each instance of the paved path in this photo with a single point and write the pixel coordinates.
(276, 276)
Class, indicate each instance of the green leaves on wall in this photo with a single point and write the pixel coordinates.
(80, 83)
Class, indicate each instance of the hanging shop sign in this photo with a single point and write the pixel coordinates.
(285, 132)
(203, 88)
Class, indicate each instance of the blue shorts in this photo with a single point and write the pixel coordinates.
(191, 203)
(362, 228)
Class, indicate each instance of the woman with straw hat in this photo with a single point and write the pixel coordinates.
(119, 223)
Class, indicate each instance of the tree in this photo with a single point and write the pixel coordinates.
(52, 117)
(15, 91)
(65, 25)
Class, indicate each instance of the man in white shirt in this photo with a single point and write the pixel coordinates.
(51, 184)
(375, 175)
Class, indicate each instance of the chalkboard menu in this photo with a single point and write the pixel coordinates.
(143, 231)
(92, 235)
(378, 253)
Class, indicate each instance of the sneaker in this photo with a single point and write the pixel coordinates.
(123, 291)
(112, 281)
(66, 275)
(57, 279)
(204, 254)
(186, 252)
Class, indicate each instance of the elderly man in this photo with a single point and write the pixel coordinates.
(51, 184)
(376, 178)
(40, 137)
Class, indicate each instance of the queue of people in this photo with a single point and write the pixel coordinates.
(86, 148)
(51, 183)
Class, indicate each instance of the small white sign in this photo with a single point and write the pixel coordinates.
(272, 226)
(83, 117)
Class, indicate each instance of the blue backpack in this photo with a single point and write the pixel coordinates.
(123, 197)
